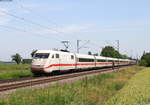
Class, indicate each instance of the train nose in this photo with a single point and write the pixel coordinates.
(39, 62)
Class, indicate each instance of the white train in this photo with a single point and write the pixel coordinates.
(47, 61)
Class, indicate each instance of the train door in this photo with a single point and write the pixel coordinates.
(95, 62)
(57, 61)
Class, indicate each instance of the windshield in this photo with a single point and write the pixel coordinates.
(41, 55)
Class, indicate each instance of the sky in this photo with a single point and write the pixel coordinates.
(26, 25)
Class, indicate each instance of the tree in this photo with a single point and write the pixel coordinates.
(33, 52)
(125, 56)
(145, 60)
(17, 58)
(109, 51)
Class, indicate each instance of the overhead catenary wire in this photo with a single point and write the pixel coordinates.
(29, 21)
(117, 47)
(31, 33)
(25, 31)
(43, 18)
(32, 22)
(35, 13)
(13, 28)
(96, 46)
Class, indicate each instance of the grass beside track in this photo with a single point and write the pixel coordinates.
(11, 71)
(136, 92)
(89, 91)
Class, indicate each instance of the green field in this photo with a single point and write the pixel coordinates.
(136, 92)
(10, 71)
(89, 91)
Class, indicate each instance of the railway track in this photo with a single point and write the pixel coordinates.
(26, 83)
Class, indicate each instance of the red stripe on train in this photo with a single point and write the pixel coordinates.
(68, 65)
(55, 65)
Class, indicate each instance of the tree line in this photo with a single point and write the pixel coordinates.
(109, 51)
(145, 60)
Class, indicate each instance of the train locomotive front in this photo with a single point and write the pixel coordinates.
(47, 61)
(41, 62)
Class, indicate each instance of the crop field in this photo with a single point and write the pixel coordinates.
(136, 92)
(10, 71)
(95, 90)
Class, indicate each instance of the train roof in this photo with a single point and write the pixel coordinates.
(81, 55)
(84, 56)
(52, 51)
(100, 57)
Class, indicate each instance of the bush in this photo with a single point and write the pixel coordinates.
(145, 60)
(26, 61)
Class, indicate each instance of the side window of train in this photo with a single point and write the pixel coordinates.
(57, 55)
(53, 56)
(72, 57)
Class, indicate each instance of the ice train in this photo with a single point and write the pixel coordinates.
(47, 61)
